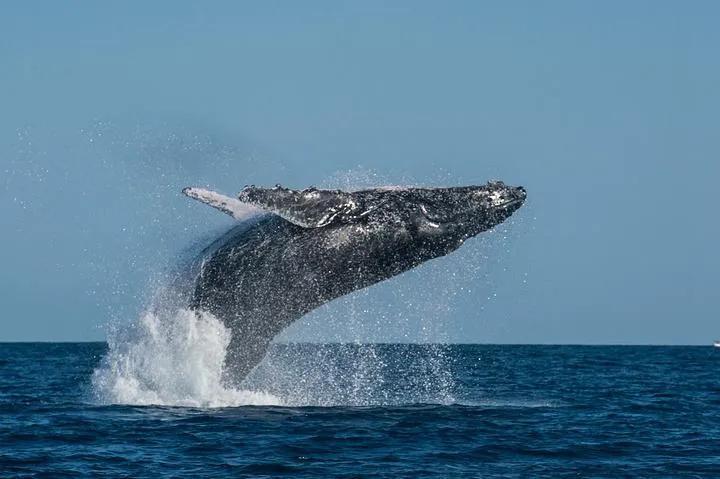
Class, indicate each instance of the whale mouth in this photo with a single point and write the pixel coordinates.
(506, 198)
(516, 200)
(510, 203)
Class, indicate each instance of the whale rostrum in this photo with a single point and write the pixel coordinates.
(307, 247)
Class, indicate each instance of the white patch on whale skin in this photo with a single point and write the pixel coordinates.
(429, 223)
(328, 218)
(230, 206)
(496, 198)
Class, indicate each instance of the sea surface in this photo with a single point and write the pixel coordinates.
(369, 411)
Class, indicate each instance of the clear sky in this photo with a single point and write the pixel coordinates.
(607, 112)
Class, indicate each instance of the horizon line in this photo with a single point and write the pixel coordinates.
(376, 343)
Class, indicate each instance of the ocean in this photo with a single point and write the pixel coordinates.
(366, 411)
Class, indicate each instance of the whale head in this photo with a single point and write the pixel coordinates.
(452, 215)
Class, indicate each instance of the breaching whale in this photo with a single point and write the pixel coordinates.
(316, 245)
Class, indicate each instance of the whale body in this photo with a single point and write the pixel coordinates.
(312, 246)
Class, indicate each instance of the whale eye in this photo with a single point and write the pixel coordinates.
(430, 213)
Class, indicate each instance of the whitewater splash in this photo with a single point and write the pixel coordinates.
(171, 359)
(177, 359)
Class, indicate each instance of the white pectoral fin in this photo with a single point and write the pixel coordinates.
(230, 206)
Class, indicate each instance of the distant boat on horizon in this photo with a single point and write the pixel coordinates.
(717, 343)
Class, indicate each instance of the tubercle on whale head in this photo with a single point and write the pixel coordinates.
(500, 199)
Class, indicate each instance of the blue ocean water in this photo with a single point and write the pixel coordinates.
(500, 411)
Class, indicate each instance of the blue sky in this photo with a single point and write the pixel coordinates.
(605, 111)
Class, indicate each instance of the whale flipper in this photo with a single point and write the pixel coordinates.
(230, 206)
(309, 208)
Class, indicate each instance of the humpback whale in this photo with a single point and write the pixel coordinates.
(311, 246)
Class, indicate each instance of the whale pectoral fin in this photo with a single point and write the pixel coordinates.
(230, 206)
(309, 208)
